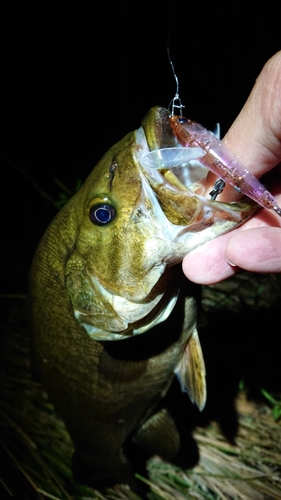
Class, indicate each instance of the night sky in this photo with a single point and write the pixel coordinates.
(76, 80)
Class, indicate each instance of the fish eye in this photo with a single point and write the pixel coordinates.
(102, 213)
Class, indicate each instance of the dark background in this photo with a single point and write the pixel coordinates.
(78, 78)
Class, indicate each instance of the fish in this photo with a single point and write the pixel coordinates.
(113, 319)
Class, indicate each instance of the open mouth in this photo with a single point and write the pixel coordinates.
(166, 164)
(176, 176)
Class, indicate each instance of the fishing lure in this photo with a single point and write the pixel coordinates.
(221, 161)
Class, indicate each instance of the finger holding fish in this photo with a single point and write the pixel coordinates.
(254, 246)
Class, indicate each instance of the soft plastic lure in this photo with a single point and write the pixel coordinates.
(221, 161)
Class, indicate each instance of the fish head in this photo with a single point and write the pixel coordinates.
(132, 224)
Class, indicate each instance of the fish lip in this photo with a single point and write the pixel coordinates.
(157, 129)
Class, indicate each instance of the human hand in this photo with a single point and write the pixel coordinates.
(255, 137)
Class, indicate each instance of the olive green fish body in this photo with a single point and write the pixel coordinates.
(112, 318)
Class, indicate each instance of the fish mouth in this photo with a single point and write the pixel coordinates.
(180, 184)
(164, 151)
(171, 170)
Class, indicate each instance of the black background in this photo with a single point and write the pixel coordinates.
(78, 78)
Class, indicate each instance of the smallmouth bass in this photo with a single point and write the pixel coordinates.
(112, 317)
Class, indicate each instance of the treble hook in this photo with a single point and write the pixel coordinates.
(176, 101)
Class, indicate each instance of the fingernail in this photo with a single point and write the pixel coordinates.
(231, 263)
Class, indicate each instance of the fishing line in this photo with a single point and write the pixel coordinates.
(176, 101)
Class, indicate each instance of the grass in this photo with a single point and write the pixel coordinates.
(241, 463)
(276, 405)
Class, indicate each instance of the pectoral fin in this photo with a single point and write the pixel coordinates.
(191, 371)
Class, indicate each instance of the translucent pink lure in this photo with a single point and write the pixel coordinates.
(221, 161)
